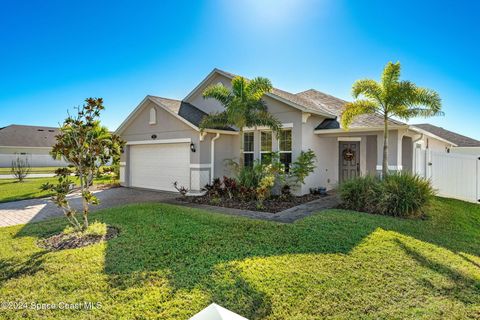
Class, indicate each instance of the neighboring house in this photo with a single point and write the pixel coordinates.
(28, 142)
(463, 144)
(164, 143)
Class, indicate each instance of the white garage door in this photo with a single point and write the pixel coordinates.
(157, 166)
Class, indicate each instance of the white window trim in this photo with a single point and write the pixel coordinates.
(243, 142)
(162, 141)
(349, 139)
(271, 146)
(291, 145)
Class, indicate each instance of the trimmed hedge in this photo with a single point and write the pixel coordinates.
(399, 194)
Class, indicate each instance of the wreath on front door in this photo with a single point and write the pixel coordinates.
(348, 154)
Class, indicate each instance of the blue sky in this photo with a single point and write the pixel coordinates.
(54, 54)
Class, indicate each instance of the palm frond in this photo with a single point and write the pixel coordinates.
(390, 75)
(264, 118)
(218, 92)
(239, 85)
(369, 88)
(217, 120)
(356, 108)
(258, 87)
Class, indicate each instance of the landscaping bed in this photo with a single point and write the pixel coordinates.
(64, 241)
(272, 205)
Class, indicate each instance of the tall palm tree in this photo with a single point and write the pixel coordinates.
(390, 97)
(243, 105)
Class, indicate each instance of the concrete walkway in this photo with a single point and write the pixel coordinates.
(24, 211)
(33, 210)
(287, 216)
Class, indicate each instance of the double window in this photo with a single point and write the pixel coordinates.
(248, 149)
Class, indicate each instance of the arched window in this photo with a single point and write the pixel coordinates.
(153, 116)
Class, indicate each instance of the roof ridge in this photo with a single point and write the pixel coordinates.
(164, 98)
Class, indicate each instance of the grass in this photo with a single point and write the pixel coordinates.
(170, 262)
(32, 170)
(12, 190)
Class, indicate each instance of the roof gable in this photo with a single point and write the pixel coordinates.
(288, 98)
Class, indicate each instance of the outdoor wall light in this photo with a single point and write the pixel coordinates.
(192, 147)
(154, 136)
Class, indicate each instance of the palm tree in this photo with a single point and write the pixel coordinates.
(390, 97)
(243, 105)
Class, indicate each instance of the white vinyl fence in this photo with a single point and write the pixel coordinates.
(454, 175)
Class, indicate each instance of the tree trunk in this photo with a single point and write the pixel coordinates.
(241, 160)
(385, 148)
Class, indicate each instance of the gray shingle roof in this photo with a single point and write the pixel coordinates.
(323, 103)
(335, 105)
(27, 136)
(306, 103)
(458, 139)
(184, 109)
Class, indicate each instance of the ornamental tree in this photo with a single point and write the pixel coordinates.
(86, 145)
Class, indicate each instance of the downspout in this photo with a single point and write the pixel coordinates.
(212, 156)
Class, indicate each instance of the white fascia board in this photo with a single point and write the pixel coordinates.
(204, 81)
(428, 133)
(361, 129)
(220, 131)
(131, 116)
(283, 126)
(161, 141)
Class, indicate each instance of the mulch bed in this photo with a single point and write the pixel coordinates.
(72, 241)
(272, 205)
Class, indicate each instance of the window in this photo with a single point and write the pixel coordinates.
(153, 116)
(285, 148)
(248, 149)
(265, 145)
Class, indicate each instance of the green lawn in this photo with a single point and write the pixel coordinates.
(170, 262)
(32, 170)
(12, 190)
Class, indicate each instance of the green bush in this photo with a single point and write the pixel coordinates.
(399, 194)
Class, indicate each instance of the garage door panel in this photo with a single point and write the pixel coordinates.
(158, 166)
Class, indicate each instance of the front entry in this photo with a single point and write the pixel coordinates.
(349, 160)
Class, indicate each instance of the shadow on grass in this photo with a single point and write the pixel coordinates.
(15, 269)
(464, 288)
(188, 246)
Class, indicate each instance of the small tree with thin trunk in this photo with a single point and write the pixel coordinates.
(390, 98)
(87, 145)
(20, 169)
(244, 106)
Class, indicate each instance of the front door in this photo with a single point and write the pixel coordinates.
(349, 160)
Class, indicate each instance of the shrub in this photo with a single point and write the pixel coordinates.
(398, 194)
(20, 169)
(405, 195)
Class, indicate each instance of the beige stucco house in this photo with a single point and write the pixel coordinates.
(164, 142)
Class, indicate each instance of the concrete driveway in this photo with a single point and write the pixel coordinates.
(24, 211)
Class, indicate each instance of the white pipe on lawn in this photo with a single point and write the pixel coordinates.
(212, 156)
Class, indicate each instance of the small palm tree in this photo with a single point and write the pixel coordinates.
(243, 105)
(390, 97)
